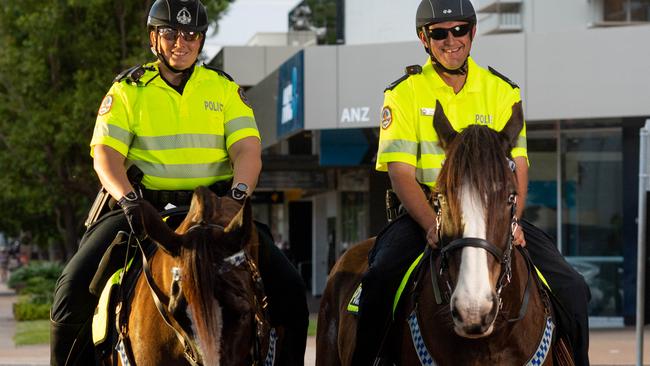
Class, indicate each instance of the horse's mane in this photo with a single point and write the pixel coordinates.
(476, 156)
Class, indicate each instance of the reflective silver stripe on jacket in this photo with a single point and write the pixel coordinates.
(239, 124)
(206, 170)
(180, 141)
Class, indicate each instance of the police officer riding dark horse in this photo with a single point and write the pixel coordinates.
(155, 118)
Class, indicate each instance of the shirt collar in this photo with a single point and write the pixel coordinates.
(156, 77)
(472, 83)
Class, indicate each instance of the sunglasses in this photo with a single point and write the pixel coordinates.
(172, 34)
(458, 31)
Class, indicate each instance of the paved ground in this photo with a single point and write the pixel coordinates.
(608, 346)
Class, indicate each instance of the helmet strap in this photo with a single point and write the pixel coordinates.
(440, 67)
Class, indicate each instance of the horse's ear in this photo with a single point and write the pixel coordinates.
(202, 206)
(441, 124)
(158, 230)
(242, 220)
(510, 132)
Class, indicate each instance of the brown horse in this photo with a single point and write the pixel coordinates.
(199, 300)
(475, 298)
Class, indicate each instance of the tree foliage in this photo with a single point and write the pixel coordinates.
(57, 61)
(324, 15)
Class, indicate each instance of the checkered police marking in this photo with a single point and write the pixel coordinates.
(236, 259)
(122, 352)
(544, 345)
(425, 357)
(418, 342)
(270, 355)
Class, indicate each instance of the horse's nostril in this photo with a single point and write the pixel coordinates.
(475, 330)
(456, 314)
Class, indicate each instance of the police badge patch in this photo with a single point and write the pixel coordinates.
(386, 117)
(243, 97)
(107, 103)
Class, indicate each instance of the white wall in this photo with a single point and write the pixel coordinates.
(546, 16)
(380, 21)
(595, 73)
(248, 65)
(384, 21)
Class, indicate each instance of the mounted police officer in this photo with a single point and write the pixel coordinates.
(469, 94)
(181, 125)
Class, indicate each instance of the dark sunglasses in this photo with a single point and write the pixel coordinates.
(458, 31)
(171, 34)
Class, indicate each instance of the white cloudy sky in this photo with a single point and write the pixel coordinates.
(247, 17)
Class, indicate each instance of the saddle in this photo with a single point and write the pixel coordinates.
(119, 287)
(117, 291)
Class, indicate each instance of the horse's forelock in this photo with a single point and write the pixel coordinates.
(476, 156)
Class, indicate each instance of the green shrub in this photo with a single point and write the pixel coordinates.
(30, 311)
(35, 285)
(39, 289)
(46, 270)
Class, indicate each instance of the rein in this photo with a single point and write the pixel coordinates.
(190, 352)
(504, 257)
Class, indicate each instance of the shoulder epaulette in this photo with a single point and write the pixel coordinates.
(410, 70)
(219, 71)
(132, 74)
(503, 77)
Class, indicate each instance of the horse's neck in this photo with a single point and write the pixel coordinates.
(252, 248)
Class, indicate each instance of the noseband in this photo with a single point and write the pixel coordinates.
(504, 257)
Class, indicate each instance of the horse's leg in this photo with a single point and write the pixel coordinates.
(327, 352)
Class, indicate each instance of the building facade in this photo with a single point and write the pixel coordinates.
(582, 69)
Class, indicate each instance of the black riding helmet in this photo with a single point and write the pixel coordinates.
(438, 11)
(188, 15)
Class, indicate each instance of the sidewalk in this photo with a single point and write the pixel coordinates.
(608, 346)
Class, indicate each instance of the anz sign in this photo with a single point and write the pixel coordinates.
(290, 104)
(355, 115)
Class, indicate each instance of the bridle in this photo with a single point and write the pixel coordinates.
(260, 303)
(504, 257)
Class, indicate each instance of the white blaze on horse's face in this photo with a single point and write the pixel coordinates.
(473, 300)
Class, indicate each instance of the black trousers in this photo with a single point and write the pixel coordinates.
(74, 305)
(403, 240)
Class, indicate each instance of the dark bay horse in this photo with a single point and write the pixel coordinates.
(475, 299)
(202, 302)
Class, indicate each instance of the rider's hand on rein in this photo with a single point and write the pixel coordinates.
(131, 205)
(432, 235)
(518, 236)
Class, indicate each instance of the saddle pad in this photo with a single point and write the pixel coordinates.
(353, 304)
(101, 317)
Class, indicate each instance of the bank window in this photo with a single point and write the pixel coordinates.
(575, 195)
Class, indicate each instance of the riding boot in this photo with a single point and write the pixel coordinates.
(69, 346)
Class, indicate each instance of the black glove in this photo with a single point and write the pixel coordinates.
(131, 205)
